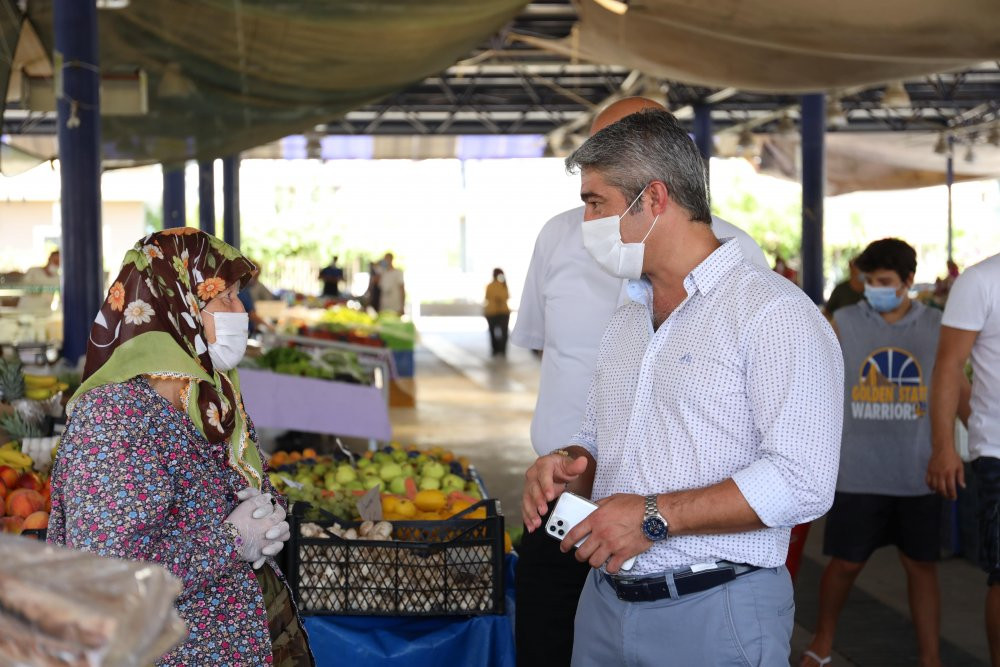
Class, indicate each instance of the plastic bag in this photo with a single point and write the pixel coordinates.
(74, 608)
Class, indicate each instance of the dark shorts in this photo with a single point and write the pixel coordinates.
(987, 471)
(860, 523)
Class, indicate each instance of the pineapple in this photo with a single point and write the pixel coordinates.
(11, 381)
(12, 388)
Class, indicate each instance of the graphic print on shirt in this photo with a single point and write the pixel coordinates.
(890, 386)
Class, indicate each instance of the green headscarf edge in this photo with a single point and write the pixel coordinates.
(155, 353)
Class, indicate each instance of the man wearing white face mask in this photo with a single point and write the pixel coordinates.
(565, 306)
(712, 423)
(889, 344)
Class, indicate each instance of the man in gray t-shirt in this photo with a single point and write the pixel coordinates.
(889, 344)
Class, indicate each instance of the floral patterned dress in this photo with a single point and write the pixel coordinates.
(134, 479)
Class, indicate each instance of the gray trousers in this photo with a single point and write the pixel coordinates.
(747, 622)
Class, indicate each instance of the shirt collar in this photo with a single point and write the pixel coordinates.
(703, 278)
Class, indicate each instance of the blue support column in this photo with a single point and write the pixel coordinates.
(703, 132)
(206, 195)
(813, 186)
(174, 205)
(75, 27)
(231, 195)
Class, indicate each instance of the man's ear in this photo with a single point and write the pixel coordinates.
(658, 196)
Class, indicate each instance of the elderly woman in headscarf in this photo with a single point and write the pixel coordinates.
(159, 461)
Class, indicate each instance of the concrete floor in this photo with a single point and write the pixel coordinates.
(481, 407)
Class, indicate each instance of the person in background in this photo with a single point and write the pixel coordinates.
(41, 283)
(373, 294)
(331, 275)
(889, 343)
(782, 269)
(847, 293)
(565, 306)
(159, 461)
(497, 312)
(391, 284)
(971, 329)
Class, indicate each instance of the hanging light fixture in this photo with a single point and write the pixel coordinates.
(835, 114)
(970, 154)
(174, 84)
(941, 147)
(745, 141)
(993, 138)
(895, 95)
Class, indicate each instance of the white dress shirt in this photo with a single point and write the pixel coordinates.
(565, 306)
(974, 305)
(744, 380)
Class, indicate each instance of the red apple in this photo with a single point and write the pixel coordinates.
(30, 480)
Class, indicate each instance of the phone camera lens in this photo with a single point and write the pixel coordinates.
(552, 529)
(561, 532)
(559, 523)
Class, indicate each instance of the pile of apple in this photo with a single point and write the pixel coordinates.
(24, 501)
(415, 484)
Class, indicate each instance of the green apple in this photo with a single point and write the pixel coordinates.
(345, 474)
(370, 471)
(356, 485)
(408, 470)
(382, 457)
(435, 470)
(452, 482)
(389, 471)
(474, 493)
(373, 482)
(398, 485)
(363, 463)
(399, 456)
(429, 484)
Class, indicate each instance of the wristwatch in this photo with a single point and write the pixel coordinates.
(654, 526)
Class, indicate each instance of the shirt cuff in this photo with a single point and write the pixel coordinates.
(526, 340)
(580, 442)
(775, 501)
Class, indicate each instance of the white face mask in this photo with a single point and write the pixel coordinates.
(603, 240)
(231, 332)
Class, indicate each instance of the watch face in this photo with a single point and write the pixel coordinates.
(654, 528)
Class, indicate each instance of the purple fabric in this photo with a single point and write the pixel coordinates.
(275, 400)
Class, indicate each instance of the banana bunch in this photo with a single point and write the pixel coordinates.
(11, 455)
(42, 387)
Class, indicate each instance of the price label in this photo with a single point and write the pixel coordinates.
(370, 505)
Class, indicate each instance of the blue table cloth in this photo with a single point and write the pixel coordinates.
(376, 641)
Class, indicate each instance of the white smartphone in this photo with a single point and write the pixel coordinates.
(570, 510)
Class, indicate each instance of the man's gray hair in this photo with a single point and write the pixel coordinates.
(643, 147)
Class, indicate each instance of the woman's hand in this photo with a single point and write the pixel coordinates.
(260, 522)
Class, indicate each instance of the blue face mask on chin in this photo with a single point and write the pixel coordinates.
(883, 299)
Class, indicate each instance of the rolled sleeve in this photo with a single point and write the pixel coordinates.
(795, 380)
(529, 328)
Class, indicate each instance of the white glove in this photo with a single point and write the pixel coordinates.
(254, 519)
(277, 535)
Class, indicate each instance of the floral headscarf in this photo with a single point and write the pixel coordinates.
(150, 324)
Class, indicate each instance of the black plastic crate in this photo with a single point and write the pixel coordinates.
(431, 568)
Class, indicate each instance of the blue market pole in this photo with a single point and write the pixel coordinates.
(174, 211)
(206, 195)
(703, 131)
(813, 184)
(75, 39)
(231, 195)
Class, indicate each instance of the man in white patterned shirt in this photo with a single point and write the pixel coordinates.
(712, 425)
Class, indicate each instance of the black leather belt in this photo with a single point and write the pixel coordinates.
(683, 582)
